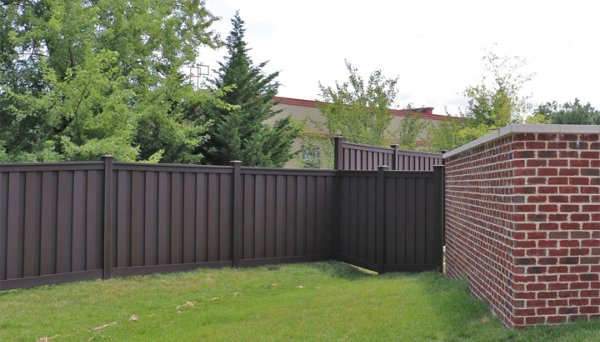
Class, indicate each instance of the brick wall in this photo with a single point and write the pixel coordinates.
(523, 222)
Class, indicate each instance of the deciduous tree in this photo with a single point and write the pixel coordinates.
(82, 78)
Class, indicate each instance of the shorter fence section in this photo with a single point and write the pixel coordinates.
(350, 156)
(390, 220)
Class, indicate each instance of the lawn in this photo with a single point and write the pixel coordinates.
(314, 301)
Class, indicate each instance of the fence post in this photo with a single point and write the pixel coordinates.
(439, 213)
(380, 218)
(338, 153)
(108, 224)
(395, 157)
(238, 233)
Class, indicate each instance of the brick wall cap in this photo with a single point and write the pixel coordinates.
(537, 128)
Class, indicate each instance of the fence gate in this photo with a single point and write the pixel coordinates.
(391, 220)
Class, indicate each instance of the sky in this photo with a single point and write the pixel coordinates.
(435, 48)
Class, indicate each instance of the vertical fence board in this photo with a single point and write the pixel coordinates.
(401, 221)
(320, 217)
(344, 198)
(78, 221)
(390, 220)
(354, 210)
(176, 218)
(420, 221)
(93, 220)
(14, 248)
(363, 213)
(259, 217)
(410, 221)
(3, 223)
(270, 216)
(213, 217)
(225, 252)
(123, 245)
(248, 216)
(31, 253)
(201, 218)
(371, 240)
(64, 222)
(138, 197)
(280, 216)
(290, 245)
(151, 219)
(189, 217)
(311, 223)
(300, 215)
(430, 222)
(164, 218)
(48, 223)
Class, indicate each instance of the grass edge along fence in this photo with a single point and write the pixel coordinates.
(62, 222)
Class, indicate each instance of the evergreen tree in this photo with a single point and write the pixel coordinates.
(239, 131)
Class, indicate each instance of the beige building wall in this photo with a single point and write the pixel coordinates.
(300, 109)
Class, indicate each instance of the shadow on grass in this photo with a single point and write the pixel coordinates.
(337, 269)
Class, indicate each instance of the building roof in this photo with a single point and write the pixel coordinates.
(426, 112)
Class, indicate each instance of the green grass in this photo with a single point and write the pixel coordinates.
(316, 301)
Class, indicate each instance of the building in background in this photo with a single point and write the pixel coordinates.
(307, 110)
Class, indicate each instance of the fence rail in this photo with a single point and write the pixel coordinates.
(350, 156)
(76, 221)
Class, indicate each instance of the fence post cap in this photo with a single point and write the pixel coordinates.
(382, 167)
(394, 145)
(107, 156)
(236, 162)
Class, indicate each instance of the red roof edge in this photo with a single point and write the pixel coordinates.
(426, 112)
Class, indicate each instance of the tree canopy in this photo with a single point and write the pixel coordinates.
(495, 102)
(359, 110)
(81, 78)
(571, 113)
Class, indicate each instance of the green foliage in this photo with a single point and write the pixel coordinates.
(79, 79)
(570, 113)
(494, 103)
(240, 132)
(409, 130)
(359, 111)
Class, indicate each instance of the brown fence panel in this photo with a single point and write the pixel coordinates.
(168, 217)
(409, 235)
(413, 226)
(358, 231)
(50, 223)
(288, 215)
(350, 156)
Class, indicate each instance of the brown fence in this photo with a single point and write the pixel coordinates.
(350, 156)
(75, 221)
(390, 220)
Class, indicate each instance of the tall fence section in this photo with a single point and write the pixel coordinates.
(74, 221)
(350, 156)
